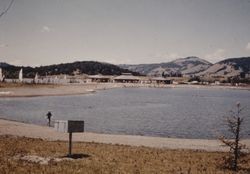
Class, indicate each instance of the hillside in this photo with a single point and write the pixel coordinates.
(184, 66)
(4, 65)
(229, 67)
(84, 67)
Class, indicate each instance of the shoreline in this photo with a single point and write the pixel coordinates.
(88, 88)
(21, 129)
(52, 90)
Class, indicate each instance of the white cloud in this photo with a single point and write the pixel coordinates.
(248, 46)
(216, 55)
(46, 29)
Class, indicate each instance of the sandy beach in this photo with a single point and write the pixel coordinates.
(49, 133)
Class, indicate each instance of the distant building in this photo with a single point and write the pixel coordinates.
(161, 80)
(100, 78)
(127, 78)
(145, 80)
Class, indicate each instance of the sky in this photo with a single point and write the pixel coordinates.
(43, 32)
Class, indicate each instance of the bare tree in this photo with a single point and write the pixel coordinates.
(234, 123)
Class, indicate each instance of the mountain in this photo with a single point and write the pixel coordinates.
(229, 67)
(83, 67)
(184, 66)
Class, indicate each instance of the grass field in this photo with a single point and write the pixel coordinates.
(105, 158)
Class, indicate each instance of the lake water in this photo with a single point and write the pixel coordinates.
(166, 112)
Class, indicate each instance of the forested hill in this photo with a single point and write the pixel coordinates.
(83, 67)
(3, 65)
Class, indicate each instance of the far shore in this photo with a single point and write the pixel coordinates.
(48, 133)
(35, 90)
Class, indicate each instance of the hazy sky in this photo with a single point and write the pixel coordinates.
(41, 32)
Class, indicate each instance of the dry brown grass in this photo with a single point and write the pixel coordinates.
(104, 158)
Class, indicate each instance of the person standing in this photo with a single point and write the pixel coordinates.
(49, 115)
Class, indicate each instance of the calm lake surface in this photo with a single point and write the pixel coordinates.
(166, 112)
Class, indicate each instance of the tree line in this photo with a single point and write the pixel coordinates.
(83, 67)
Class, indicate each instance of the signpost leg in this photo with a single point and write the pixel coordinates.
(70, 144)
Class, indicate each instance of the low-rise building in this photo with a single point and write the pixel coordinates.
(161, 80)
(100, 78)
(127, 78)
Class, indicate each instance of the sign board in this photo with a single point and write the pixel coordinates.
(75, 126)
(69, 126)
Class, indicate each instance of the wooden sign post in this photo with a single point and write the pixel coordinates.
(70, 144)
(69, 126)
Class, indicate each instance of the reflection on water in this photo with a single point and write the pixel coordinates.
(172, 112)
